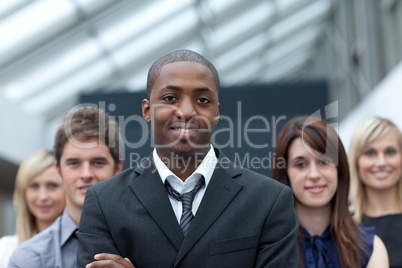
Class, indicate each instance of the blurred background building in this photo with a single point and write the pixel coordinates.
(53, 51)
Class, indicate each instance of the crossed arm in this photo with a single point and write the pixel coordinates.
(110, 260)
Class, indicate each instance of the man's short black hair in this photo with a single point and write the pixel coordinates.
(176, 56)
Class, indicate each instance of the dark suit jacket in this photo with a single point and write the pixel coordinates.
(244, 220)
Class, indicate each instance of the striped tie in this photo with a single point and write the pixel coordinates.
(187, 201)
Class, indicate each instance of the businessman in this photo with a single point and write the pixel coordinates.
(83, 158)
(187, 205)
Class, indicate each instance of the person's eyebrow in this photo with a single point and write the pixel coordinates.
(200, 89)
(300, 157)
(102, 158)
(203, 89)
(78, 159)
(172, 87)
(71, 159)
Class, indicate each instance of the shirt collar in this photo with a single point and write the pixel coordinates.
(324, 235)
(68, 227)
(206, 168)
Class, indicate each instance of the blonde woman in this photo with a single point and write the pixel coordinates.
(375, 159)
(38, 200)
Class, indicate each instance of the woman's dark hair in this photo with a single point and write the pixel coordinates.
(321, 139)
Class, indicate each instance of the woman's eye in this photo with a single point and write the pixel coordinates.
(325, 161)
(390, 152)
(300, 165)
(369, 153)
(53, 186)
(34, 186)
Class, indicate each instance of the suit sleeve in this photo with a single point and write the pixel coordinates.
(278, 245)
(93, 234)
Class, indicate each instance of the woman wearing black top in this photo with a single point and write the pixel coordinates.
(375, 160)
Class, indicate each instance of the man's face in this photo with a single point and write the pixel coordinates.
(183, 109)
(81, 168)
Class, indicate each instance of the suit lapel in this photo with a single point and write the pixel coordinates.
(220, 192)
(151, 192)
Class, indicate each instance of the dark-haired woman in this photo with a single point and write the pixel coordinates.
(317, 171)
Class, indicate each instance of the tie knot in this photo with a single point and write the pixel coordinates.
(186, 197)
(187, 202)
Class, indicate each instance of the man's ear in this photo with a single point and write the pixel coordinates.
(119, 167)
(146, 110)
(218, 114)
(58, 170)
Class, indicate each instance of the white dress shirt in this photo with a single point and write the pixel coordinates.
(206, 168)
(7, 246)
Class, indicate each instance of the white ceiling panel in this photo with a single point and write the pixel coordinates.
(75, 46)
(49, 16)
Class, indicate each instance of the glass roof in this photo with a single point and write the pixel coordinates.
(55, 50)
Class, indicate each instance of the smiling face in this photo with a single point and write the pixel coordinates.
(313, 181)
(81, 168)
(379, 164)
(183, 109)
(45, 197)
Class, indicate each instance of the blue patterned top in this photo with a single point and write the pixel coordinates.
(320, 251)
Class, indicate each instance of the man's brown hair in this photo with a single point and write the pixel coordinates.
(87, 123)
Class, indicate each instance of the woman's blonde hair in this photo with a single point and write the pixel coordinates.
(369, 131)
(30, 168)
